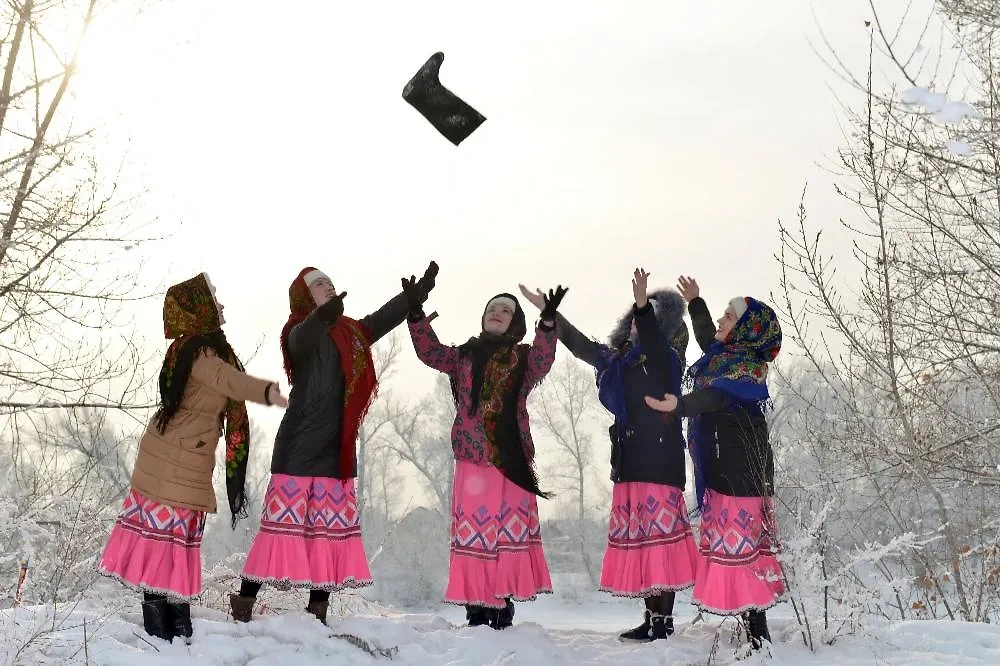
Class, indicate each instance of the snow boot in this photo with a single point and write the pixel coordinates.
(180, 620)
(476, 615)
(449, 115)
(503, 617)
(654, 627)
(661, 626)
(156, 618)
(318, 608)
(756, 623)
(242, 607)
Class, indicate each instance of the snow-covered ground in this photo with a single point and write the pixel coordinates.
(548, 631)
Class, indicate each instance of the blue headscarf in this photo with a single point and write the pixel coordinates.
(737, 367)
(611, 384)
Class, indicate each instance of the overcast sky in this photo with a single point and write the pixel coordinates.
(667, 135)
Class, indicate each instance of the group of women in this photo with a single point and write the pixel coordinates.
(310, 532)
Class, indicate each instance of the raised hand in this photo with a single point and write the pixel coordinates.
(668, 404)
(639, 280)
(688, 287)
(414, 293)
(427, 282)
(551, 303)
(536, 298)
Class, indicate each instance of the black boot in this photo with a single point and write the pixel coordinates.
(180, 620)
(661, 626)
(156, 617)
(642, 633)
(319, 602)
(242, 607)
(756, 623)
(503, 617)
(445, 110)
(476, 616)
(318, 608)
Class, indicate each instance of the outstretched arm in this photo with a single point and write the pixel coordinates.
(589, 351)
(392, 314)
(430, 351)
(695, 403)
(386, 318)
(654, 343)
(226, 380)
(701, 319)
(542, 354)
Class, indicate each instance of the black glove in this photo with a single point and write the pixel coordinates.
(415, 298)
(426, 283)
(552, 301)
(330, 311)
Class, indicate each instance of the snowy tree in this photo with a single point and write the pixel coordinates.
(375, 476)
(565, 409)
(423, 439)
(66, 273)
(912, 356)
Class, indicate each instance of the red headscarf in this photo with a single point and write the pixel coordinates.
(353, 342)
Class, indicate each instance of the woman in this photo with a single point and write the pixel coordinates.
(155, 545)
(496, 543)
(310, 530)
(734, 465)
(651, 552)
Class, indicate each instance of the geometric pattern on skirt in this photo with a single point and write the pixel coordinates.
(739, 570)
(651, 548)
(322, 509)
(155, 547)
(496, 540)
(310, 536)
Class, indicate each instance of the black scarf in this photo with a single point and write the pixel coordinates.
(479, 351)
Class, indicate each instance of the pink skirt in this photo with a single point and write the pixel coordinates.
(650, 545)
(496, 540)
(310, 536)
(739, 570)
(155, 548)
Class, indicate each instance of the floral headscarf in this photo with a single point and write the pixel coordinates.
(738, 367)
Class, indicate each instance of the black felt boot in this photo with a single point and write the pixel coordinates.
(642, 633)
(319, 603)
(449, 115)
(503, 617)
(156, 617)
(756, 622)
(180, 620)
(476, 616)
(660, 626)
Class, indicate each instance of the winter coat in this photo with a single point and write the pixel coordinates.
(175, 468)
(651, 447)
(742, 464)
(468, 436)
(308, 440)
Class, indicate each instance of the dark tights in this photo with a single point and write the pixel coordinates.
(249, 588)
(662, 603)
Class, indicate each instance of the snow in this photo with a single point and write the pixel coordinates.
(549, 631)
(945, 111)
